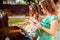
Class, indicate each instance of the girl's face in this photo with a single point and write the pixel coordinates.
(30, 8)
(43, 10)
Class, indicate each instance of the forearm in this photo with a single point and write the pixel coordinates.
(48, 30)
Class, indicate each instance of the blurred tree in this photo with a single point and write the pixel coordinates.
(1, 1)
(20, 2)
(29, 1)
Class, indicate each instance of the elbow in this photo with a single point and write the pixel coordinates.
(52, 33)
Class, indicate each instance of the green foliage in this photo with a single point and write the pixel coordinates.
(15, 21)
(29, 1)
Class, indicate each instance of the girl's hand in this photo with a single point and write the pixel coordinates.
(38, 26)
